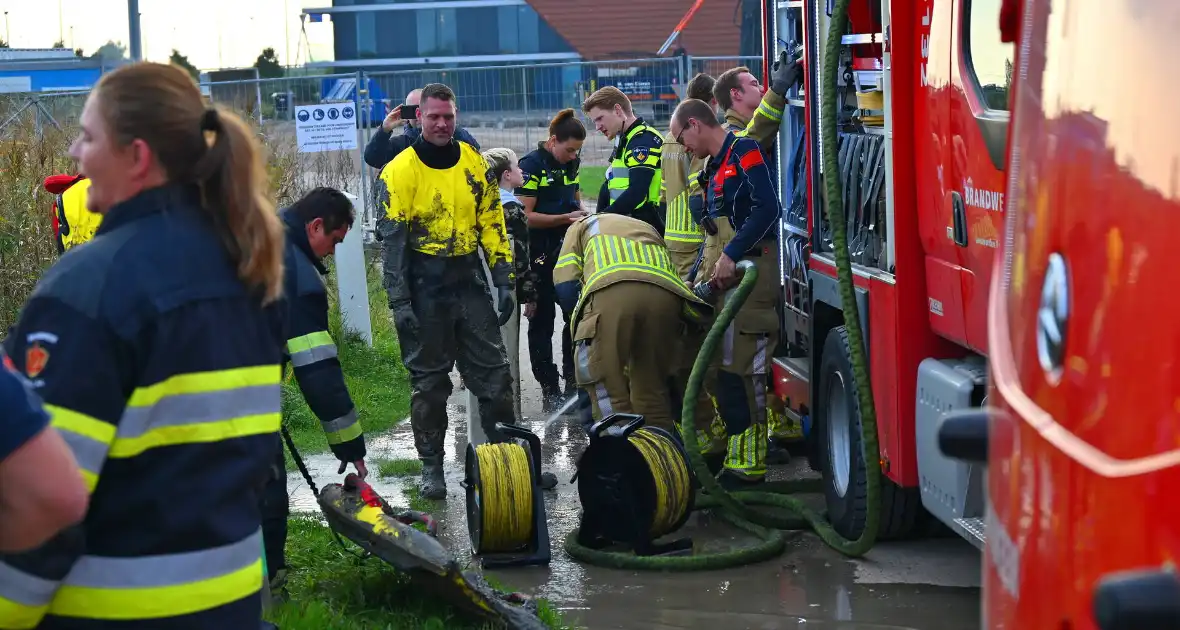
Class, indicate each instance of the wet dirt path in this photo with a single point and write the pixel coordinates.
(921, 585)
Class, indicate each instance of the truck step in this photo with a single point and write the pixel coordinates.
(973, 529)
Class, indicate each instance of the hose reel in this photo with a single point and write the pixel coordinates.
(505, 509)
(635, 487)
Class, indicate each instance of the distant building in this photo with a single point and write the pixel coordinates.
(412, 42)
(47, 70)
(393, 34)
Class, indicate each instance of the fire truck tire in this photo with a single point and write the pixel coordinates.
(842, 457)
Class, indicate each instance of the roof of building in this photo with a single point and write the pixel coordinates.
(37, 54)
(619, 29)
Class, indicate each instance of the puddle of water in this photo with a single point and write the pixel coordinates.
(809, 586)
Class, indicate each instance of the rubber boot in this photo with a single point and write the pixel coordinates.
(278, 588)
(548, 481)
(737, 482)
(433, 484)
(550, 398)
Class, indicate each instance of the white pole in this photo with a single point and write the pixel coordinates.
(510, 333)
(351, 280)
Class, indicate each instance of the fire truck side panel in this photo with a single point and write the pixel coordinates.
(1083, 448)
(981, 69)
(894, 429)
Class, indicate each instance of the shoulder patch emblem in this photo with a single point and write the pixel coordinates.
(491, 177)
(36, 356)
(640, 154)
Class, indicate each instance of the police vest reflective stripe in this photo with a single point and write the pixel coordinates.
(618, 176)
(681, 227)
(193, 408)
(148, 587)
(308, 350)
(607, 255)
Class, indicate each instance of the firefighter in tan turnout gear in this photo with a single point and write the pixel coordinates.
(626, 304)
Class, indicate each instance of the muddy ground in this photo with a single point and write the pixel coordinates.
(921, 585)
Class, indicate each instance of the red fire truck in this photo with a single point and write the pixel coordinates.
(1080, 523)
(923, 122)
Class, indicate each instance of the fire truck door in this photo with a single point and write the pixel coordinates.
(981, 73)
(933, 169)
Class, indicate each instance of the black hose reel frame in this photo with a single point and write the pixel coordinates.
(537, 551)
(618, 492)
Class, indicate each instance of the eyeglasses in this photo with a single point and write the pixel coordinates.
(687, 126)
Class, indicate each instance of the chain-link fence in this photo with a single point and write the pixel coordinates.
(502, 106)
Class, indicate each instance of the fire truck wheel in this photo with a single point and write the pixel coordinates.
(842, 456)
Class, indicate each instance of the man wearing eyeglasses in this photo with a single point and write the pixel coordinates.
(741, 214)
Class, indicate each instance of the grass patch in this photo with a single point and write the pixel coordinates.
(333, 590)
(590, 178)
(399, 467)
(376, 378)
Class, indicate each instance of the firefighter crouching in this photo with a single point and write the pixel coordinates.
(73, 224)
(440, 202)
(552, 200)
(315, 225)
(632, 184)
(740, 223)
(627, 302)
(156, 348)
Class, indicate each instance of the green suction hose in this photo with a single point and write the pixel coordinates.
(787, 513)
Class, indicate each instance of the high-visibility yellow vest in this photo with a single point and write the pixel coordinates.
(618, 175)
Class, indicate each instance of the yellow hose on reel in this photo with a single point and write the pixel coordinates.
(505, 498)
(669, 470)
(635, 487)
(505, 511)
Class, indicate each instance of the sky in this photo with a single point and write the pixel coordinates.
(212, 33)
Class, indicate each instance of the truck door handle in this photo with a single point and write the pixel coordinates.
(959, 212)
(1137, 600)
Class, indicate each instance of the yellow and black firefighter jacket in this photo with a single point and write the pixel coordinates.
(161, 371)
(632, 186)
(603, 249)
(441, 202)
(682, 232)
(310, 348)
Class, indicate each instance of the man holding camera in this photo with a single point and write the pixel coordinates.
(384, 146)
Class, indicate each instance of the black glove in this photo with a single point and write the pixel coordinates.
(405, 320)
(785, 73)
(505, 303)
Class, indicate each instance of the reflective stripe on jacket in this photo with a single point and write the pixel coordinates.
(600, 250)
(310, 347)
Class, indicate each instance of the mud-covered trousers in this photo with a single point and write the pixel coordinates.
(744, 355)
(541, 333)
(456, 325)
(625, 352)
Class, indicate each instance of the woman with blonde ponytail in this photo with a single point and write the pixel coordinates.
(158, 358)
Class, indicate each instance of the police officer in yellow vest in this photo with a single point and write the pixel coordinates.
(74, 223)
(439, 203)
(632, 183)
(616, 278)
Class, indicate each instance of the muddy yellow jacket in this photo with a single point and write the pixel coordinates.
(449, 208)
(75, 224)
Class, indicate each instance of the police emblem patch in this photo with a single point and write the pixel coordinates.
(491, 177)
(640, 154)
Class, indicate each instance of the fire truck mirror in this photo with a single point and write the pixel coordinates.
(1138, 600)
(963, 434)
